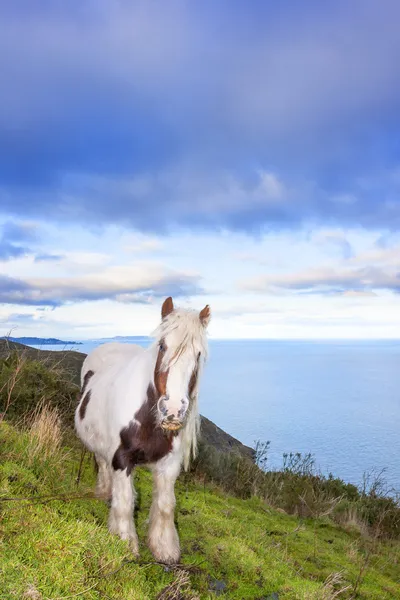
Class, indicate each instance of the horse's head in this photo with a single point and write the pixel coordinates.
(182, 346)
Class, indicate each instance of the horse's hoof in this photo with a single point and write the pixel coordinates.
(134, 548)
(166, 559)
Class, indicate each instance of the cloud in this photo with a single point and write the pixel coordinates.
(20, 318)
(14, 239)
(239, 311)
(143, 245)
(359, 294)
(336, 240)
(139, 284)
(48, 257)
(327, 280)
(389, 256)
(156, 116)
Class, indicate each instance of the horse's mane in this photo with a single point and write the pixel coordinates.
(185, 327)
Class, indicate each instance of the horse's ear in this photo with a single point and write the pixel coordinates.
(167, 307)
(205, 315)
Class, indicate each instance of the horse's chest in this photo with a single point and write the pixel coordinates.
(141, 445)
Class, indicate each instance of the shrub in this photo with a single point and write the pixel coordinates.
(26, 383)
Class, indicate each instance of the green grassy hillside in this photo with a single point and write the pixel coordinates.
(233, 548)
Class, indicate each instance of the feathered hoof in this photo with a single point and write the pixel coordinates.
(166, 557)
(134, 547)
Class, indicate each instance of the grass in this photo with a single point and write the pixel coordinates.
(237, 548)
(246, 533)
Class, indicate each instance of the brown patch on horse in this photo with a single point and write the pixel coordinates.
(86, 380)
(85, 401)
(143, 442)
(193, 379)
(160, 377)
(83, 406)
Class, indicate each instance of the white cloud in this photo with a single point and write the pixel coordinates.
(382, 256)
(335, 239)
(114, 293)
(325, 279)
(359, 294)
(143, 246)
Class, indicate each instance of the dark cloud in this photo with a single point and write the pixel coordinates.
(159, 116)
(52, 292)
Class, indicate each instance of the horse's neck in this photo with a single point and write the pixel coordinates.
(140, 369)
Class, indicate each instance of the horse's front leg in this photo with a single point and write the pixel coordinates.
(163, 537)
(120, 519)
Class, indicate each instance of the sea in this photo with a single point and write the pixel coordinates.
(338, 400)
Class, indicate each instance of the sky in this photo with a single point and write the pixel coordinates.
(242, 155)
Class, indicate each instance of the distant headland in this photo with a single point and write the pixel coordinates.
(35, 341)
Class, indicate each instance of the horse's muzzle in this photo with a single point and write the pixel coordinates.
(171, 418)
(169, 424)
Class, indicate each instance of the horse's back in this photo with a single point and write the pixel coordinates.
(108, 355)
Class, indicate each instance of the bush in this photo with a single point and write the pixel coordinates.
(25, 384)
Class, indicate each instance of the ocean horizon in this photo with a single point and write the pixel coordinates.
(336, 399)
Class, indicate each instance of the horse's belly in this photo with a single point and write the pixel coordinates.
(93, 429)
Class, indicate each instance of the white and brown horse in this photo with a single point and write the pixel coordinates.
(140, 407)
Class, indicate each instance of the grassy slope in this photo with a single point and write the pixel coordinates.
(60, 549)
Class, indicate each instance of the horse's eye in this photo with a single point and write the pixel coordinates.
(162, 347)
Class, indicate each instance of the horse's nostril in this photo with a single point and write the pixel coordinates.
(162, 406)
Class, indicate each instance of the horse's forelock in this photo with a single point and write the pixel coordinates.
(182, 331)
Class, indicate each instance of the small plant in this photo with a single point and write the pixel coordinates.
(13, 368)
(261, 450)
(299, 464)
(334, 587)
(179, 588)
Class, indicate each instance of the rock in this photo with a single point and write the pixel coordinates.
(217, 586)
(222, 441)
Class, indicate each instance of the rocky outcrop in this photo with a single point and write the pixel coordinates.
(222, 441)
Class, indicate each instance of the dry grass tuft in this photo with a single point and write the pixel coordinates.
(332, 588)
(179, 589)
(31, 593)
(351, 520)
(45, 434)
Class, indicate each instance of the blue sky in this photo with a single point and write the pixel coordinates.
(245, 155)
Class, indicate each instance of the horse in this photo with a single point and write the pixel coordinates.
(140, 407)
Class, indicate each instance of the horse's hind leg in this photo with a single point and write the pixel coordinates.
(120, 520)
(104, 480)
